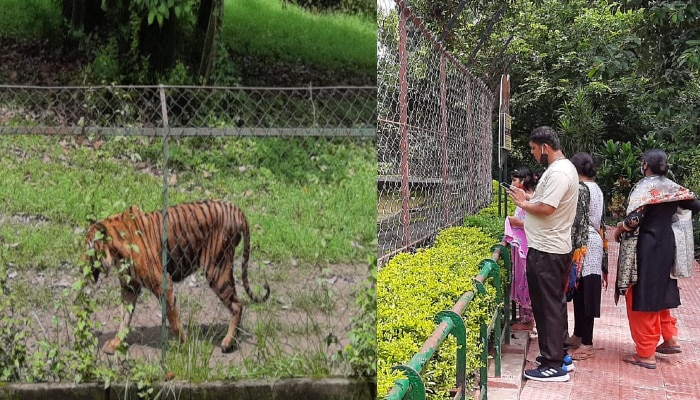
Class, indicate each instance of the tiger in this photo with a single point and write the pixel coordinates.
(204, 233)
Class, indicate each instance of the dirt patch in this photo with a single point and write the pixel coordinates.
(37, 63)
(307, 316)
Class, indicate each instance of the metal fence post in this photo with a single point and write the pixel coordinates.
(164, 237)
(443, 145)
(404, 149)
(459, 331)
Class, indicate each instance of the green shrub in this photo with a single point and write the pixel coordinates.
(413, 288)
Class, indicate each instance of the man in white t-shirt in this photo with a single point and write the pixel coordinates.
(550, 215)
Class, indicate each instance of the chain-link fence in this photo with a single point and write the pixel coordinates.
(434, 137)
(298, 163)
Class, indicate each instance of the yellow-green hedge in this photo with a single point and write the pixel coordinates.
(413, 288)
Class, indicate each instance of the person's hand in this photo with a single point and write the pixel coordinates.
(605, 281)
(618, 231)
(518, 195)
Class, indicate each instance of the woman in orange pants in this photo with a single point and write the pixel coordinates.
(645, 327)
(652, 203)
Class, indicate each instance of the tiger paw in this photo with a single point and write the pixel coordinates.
(229, 345)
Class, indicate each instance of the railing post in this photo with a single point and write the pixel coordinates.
(483, 370)
(504, 254)
(495, 274)
(459, 331)
(451, 322)
(416, 388)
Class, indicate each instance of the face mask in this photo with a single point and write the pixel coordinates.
(544, 157)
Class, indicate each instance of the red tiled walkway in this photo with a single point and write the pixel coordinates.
(605, 376)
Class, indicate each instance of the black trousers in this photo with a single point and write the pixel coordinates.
(546, 280)
(587, 307)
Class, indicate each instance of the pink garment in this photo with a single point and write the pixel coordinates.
(518, 290)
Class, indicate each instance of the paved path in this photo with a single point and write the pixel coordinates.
(605, 376)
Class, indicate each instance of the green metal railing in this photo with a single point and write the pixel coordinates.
(450, 322)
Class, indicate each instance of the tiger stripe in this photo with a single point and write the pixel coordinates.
(201, 234)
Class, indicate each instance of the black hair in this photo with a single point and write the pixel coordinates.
(526, 176)
(545, 135)
(657, 161)
(584, 164)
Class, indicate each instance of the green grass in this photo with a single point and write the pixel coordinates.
(264, 29)
(29, 19)
(261, 28)
(323, 211)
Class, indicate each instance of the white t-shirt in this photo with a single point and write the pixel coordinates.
(558, 187)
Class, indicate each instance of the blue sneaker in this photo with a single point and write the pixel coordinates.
(545, 374)
(568, 363)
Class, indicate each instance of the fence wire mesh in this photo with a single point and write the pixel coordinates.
(299, 163)
(434, 137)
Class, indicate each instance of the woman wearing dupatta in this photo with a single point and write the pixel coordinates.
(593, 275)
(652, 203)
(514, 234)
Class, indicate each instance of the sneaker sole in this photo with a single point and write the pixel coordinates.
(563, 378)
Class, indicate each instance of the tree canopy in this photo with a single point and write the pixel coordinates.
(599, 71)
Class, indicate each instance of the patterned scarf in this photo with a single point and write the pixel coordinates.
(579, 240)
(656, 189)
(653, 189)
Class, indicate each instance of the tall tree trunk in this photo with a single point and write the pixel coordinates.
(203, 15)
(83, 15)
(213, 27)
(159, 42)
(74, 12)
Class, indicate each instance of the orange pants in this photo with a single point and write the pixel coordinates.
(648, 326)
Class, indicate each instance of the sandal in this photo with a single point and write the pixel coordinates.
(573, 342)
(635, 360)
(584, 352)
(665, 348)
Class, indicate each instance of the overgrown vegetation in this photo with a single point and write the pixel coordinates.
(361, 352)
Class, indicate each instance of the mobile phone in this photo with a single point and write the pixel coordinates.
(506, 186)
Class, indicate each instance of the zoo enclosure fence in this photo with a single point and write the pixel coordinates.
(434, 138)
(165, 134)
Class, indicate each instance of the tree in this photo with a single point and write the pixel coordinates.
(154, 29)
(209, 21)
(614, 71)
(667, 45)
